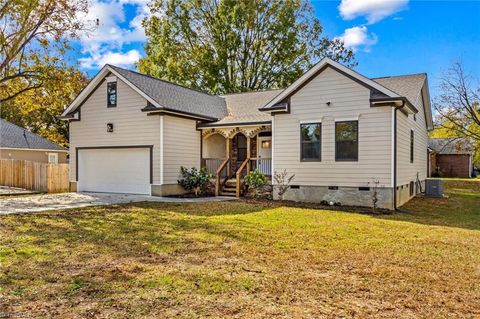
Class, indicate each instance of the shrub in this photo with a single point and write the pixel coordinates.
(255, 180)
(437, 173)
(194, 180)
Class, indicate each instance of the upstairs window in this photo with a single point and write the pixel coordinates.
(111, 94)
(346, 141)
(310, 142)
(412, 146)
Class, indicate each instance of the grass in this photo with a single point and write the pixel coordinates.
(240, 259)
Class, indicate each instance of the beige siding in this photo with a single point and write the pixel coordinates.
(181, 147)
(407, 171)
(348, 100)
(40, 156)
(131, 126)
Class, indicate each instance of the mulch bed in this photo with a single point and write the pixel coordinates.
(350, 209)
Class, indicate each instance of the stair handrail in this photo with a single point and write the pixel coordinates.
(218, 173)
(239, 175)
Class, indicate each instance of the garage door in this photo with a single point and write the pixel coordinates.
(118, 170)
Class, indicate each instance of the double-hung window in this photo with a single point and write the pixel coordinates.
(311, 142)
(346, 141)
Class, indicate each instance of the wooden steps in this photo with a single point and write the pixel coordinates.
(229, 189)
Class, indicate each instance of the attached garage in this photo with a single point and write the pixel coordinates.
(115, 169)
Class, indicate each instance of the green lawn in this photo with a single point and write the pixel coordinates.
(238, 259)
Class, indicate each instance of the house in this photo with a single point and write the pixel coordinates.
(335, 129)
(21, 144)
(451, 157)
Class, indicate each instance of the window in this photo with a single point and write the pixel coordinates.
(346, 141)
(266, 144)
(411, 145)
(411, 189)
(111, 94)
(52, 158)
(310, 142)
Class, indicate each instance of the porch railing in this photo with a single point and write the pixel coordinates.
(264, 165)
(212, 165)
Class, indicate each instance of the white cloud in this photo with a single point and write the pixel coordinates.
(358, 37)
(105, 44)
(96, 60)
(372, 10)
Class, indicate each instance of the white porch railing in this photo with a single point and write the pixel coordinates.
(212, 165)
(264, 165)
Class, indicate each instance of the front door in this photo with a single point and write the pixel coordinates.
(241, 148)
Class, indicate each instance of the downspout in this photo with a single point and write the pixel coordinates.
(395, 154)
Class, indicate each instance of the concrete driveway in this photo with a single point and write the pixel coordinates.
(37, 203)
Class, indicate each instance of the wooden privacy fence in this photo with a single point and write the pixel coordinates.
(42, 177)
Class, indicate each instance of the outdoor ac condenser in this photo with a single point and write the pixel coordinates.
(434, 187)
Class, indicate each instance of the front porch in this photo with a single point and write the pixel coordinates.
(229, 153)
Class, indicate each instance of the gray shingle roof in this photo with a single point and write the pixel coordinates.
(450, 145)
(243, 107)
(408, 86)
(176, 97)
(14, 136)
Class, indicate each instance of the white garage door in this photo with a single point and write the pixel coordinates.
(122, 170)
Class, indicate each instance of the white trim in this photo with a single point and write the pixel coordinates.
(273, 148)
(318, 66)
(311, 121)
(392, 172)
(34, 149)
(162, 129)
(111, 79)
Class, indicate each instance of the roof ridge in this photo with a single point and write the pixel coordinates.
(248, 92)
(164, 81)
(397, 76)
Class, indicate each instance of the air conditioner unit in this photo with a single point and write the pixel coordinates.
(434, 187)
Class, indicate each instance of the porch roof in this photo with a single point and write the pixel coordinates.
(243, 108)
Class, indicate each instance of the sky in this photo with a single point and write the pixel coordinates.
(389, 37)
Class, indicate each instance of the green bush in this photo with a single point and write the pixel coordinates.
(194, 180)
(255, 180)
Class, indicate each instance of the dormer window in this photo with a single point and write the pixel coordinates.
(111, 94)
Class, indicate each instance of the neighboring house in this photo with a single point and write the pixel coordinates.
(452, 157)
(21, 144)
(335, 129)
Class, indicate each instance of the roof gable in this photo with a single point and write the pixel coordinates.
(13, 136)
(414, 87)
(161, 95)
(375, 87)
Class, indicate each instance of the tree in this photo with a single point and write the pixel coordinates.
(38, 109)
(458, 108)
(225, 46)
(33, 39)
(458, 104)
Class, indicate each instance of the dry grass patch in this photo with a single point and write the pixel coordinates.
(238, 259)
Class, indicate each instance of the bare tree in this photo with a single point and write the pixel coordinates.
(33, 38)
(282, 182)
(458, 104)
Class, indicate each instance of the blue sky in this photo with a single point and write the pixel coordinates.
(390, 37)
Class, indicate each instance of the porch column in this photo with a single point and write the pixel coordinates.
(228, 153)
(249, 154)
